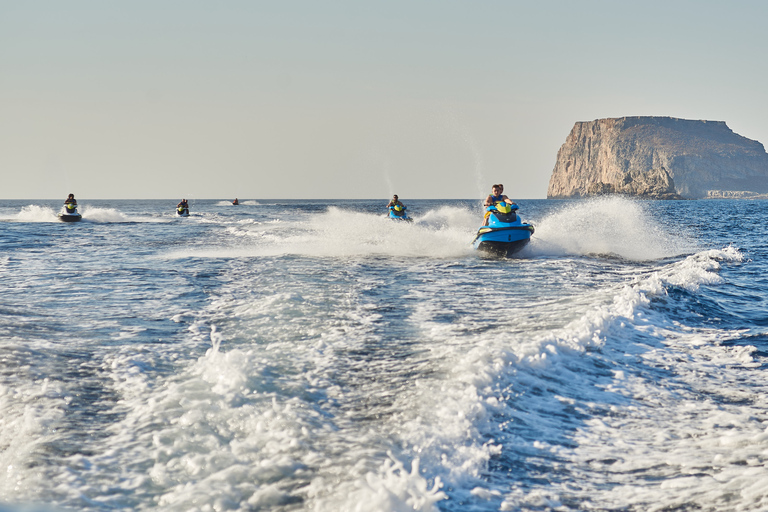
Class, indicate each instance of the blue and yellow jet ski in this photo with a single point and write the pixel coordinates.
(397, 212)
(505, 233)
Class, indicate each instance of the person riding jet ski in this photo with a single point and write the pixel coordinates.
(70, 203)
(397, 209)
(496, 196)
(182, 208)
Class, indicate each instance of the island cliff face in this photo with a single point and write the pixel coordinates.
(658, 158)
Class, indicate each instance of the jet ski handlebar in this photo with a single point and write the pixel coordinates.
(502, 206)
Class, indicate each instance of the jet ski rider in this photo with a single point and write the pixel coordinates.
(70, 202)
(183, 206)
(496, 196)
(396, 202)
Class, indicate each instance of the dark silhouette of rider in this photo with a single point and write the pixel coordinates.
(70, 203)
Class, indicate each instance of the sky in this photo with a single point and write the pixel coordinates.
(307, 99)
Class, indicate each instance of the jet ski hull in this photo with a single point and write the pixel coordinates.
(399, 216)
(70, 217)
(70, 214)
(505, 234)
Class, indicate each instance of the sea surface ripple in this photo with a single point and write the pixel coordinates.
(314, 355)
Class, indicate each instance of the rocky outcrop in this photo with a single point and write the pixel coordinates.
(658, 158)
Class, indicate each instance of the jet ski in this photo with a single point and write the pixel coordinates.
(505, 233)
(182, 212)
(70, 214)
(397, 212)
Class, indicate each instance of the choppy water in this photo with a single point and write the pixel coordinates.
(287, 355)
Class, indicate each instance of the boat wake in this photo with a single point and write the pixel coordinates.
(603, 228)
(608, 227)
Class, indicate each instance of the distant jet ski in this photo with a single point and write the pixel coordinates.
(70, 214)
(182, 212)
(505, 233)
(397, 212)
(235, 202)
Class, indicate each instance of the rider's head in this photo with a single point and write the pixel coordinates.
(394, 197)
(497, 189)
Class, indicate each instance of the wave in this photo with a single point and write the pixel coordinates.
(493, 397)
(105, 215)
(445, 233)
(609, 226)
(248, 202)
(511, 400)
(36, 213)
(413, 381)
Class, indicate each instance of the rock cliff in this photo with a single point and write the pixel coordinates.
(658, 158)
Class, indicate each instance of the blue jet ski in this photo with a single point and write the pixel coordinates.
(397, 212)
(505, 233)
(70, 214)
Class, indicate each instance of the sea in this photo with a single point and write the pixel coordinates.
(317, 356)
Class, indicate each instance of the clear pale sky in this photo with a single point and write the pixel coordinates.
(350, 99)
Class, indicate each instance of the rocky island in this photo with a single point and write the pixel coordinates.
(659, 158)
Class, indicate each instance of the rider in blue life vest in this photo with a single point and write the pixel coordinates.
(497, 196)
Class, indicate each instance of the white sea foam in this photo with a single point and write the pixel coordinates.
(28, 416)
(94, 214)
(35, 213)
(365, 383)
(458, 434)
(445, 233)
(615, 226)
(609, 226)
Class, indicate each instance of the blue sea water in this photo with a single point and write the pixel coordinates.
(314, 355)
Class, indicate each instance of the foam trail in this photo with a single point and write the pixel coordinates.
(608, 226)
(469, 391)
(35, 213)
(442, 233)
(104, 215)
